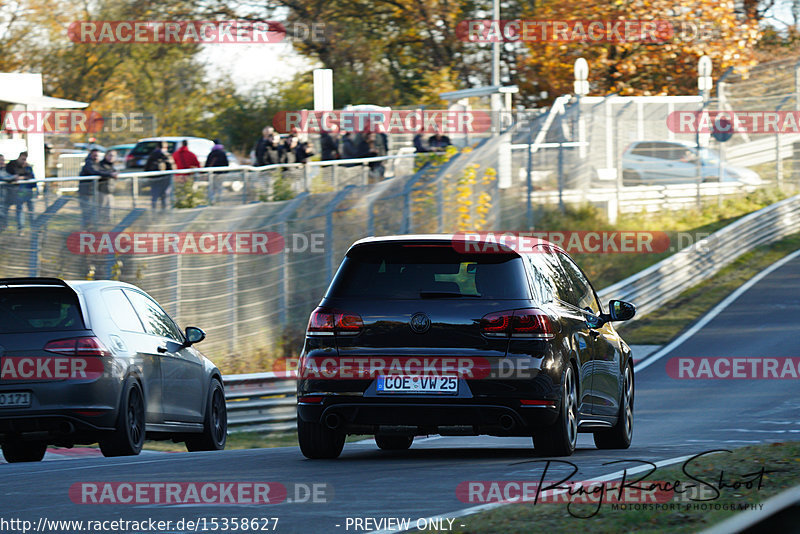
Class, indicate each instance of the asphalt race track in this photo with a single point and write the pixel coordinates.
(673, 418)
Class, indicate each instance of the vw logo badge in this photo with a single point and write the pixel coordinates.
(420, 323)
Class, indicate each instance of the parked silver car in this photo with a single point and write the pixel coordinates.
(676, 162)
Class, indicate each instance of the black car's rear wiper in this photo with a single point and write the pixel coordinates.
(443, 295)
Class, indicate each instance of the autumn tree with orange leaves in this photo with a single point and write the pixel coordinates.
(667, 67)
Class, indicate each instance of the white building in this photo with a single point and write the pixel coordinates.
(23, 92)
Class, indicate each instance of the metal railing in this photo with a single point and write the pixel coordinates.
(655, 286)
(264, 402)
(239, 182)
(261, 402)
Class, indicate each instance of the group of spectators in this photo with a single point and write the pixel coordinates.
(436, 143)
(95, 196)
(270, 149)
(14, 194)
(159, 160)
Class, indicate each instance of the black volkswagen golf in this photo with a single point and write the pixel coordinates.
(431, 334)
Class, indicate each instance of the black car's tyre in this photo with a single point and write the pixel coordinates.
(620, 435)
(560, 438)
(394, 443)
(128, 438)
(317, 441)
(24, 451)
(215, 426)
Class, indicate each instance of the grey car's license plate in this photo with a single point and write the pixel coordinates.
(15, 399)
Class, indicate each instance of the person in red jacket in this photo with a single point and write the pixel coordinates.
(185, 158)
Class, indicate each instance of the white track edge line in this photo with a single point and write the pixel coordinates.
(716, 310)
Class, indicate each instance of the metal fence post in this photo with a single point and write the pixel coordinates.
(245, 174)
(529, 179)
(561, 177)
(334, 178)
(284, 274)
(364, 174)
(305, 179)
(134, 190)
(233, 302)
(439, 207)
(210, 192)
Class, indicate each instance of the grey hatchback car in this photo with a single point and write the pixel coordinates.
(86, 362)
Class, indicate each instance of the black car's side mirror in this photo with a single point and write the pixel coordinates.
(194, 335)
(619, 310)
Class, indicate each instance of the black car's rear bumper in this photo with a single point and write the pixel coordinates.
(428, 416)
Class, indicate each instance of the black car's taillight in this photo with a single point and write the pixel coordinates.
(78, 346)
(527, 322)
(327, 321)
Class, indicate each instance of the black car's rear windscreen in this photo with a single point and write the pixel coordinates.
(414, 271)
(38, 309)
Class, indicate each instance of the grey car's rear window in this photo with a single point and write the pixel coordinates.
(26, 310)
(409, 271)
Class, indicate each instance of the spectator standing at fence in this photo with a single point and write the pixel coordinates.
(217, 157)
(419, 144)
(105, 188)
(267, 151)
(329, 144)
(160, 159)
(289, 147)
(22, 194)
(438, 142)
(303, 150)
(5, 180)
(185, 158)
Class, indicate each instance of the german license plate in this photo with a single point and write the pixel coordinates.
(15, 399)
(418, 384)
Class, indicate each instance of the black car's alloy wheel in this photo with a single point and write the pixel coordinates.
(318, 441)
(561, 437)
(621, 434)
(394, 443)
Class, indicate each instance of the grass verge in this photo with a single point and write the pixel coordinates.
(780, 461)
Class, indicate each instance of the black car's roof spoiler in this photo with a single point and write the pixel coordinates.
(33, 281)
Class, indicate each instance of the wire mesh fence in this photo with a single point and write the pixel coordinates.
(254, 303)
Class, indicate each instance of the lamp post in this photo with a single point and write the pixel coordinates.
(704, 85)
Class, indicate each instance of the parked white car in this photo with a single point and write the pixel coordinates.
(675, 162)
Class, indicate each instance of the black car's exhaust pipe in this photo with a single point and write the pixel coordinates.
(66, 428)
(506, 422)
(332, 421)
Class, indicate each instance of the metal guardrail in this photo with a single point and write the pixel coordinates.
(261, 402)
(265, 402)
(655, 286)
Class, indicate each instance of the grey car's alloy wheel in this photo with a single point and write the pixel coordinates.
(128, 439)
(215, 426)
(23, 451)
